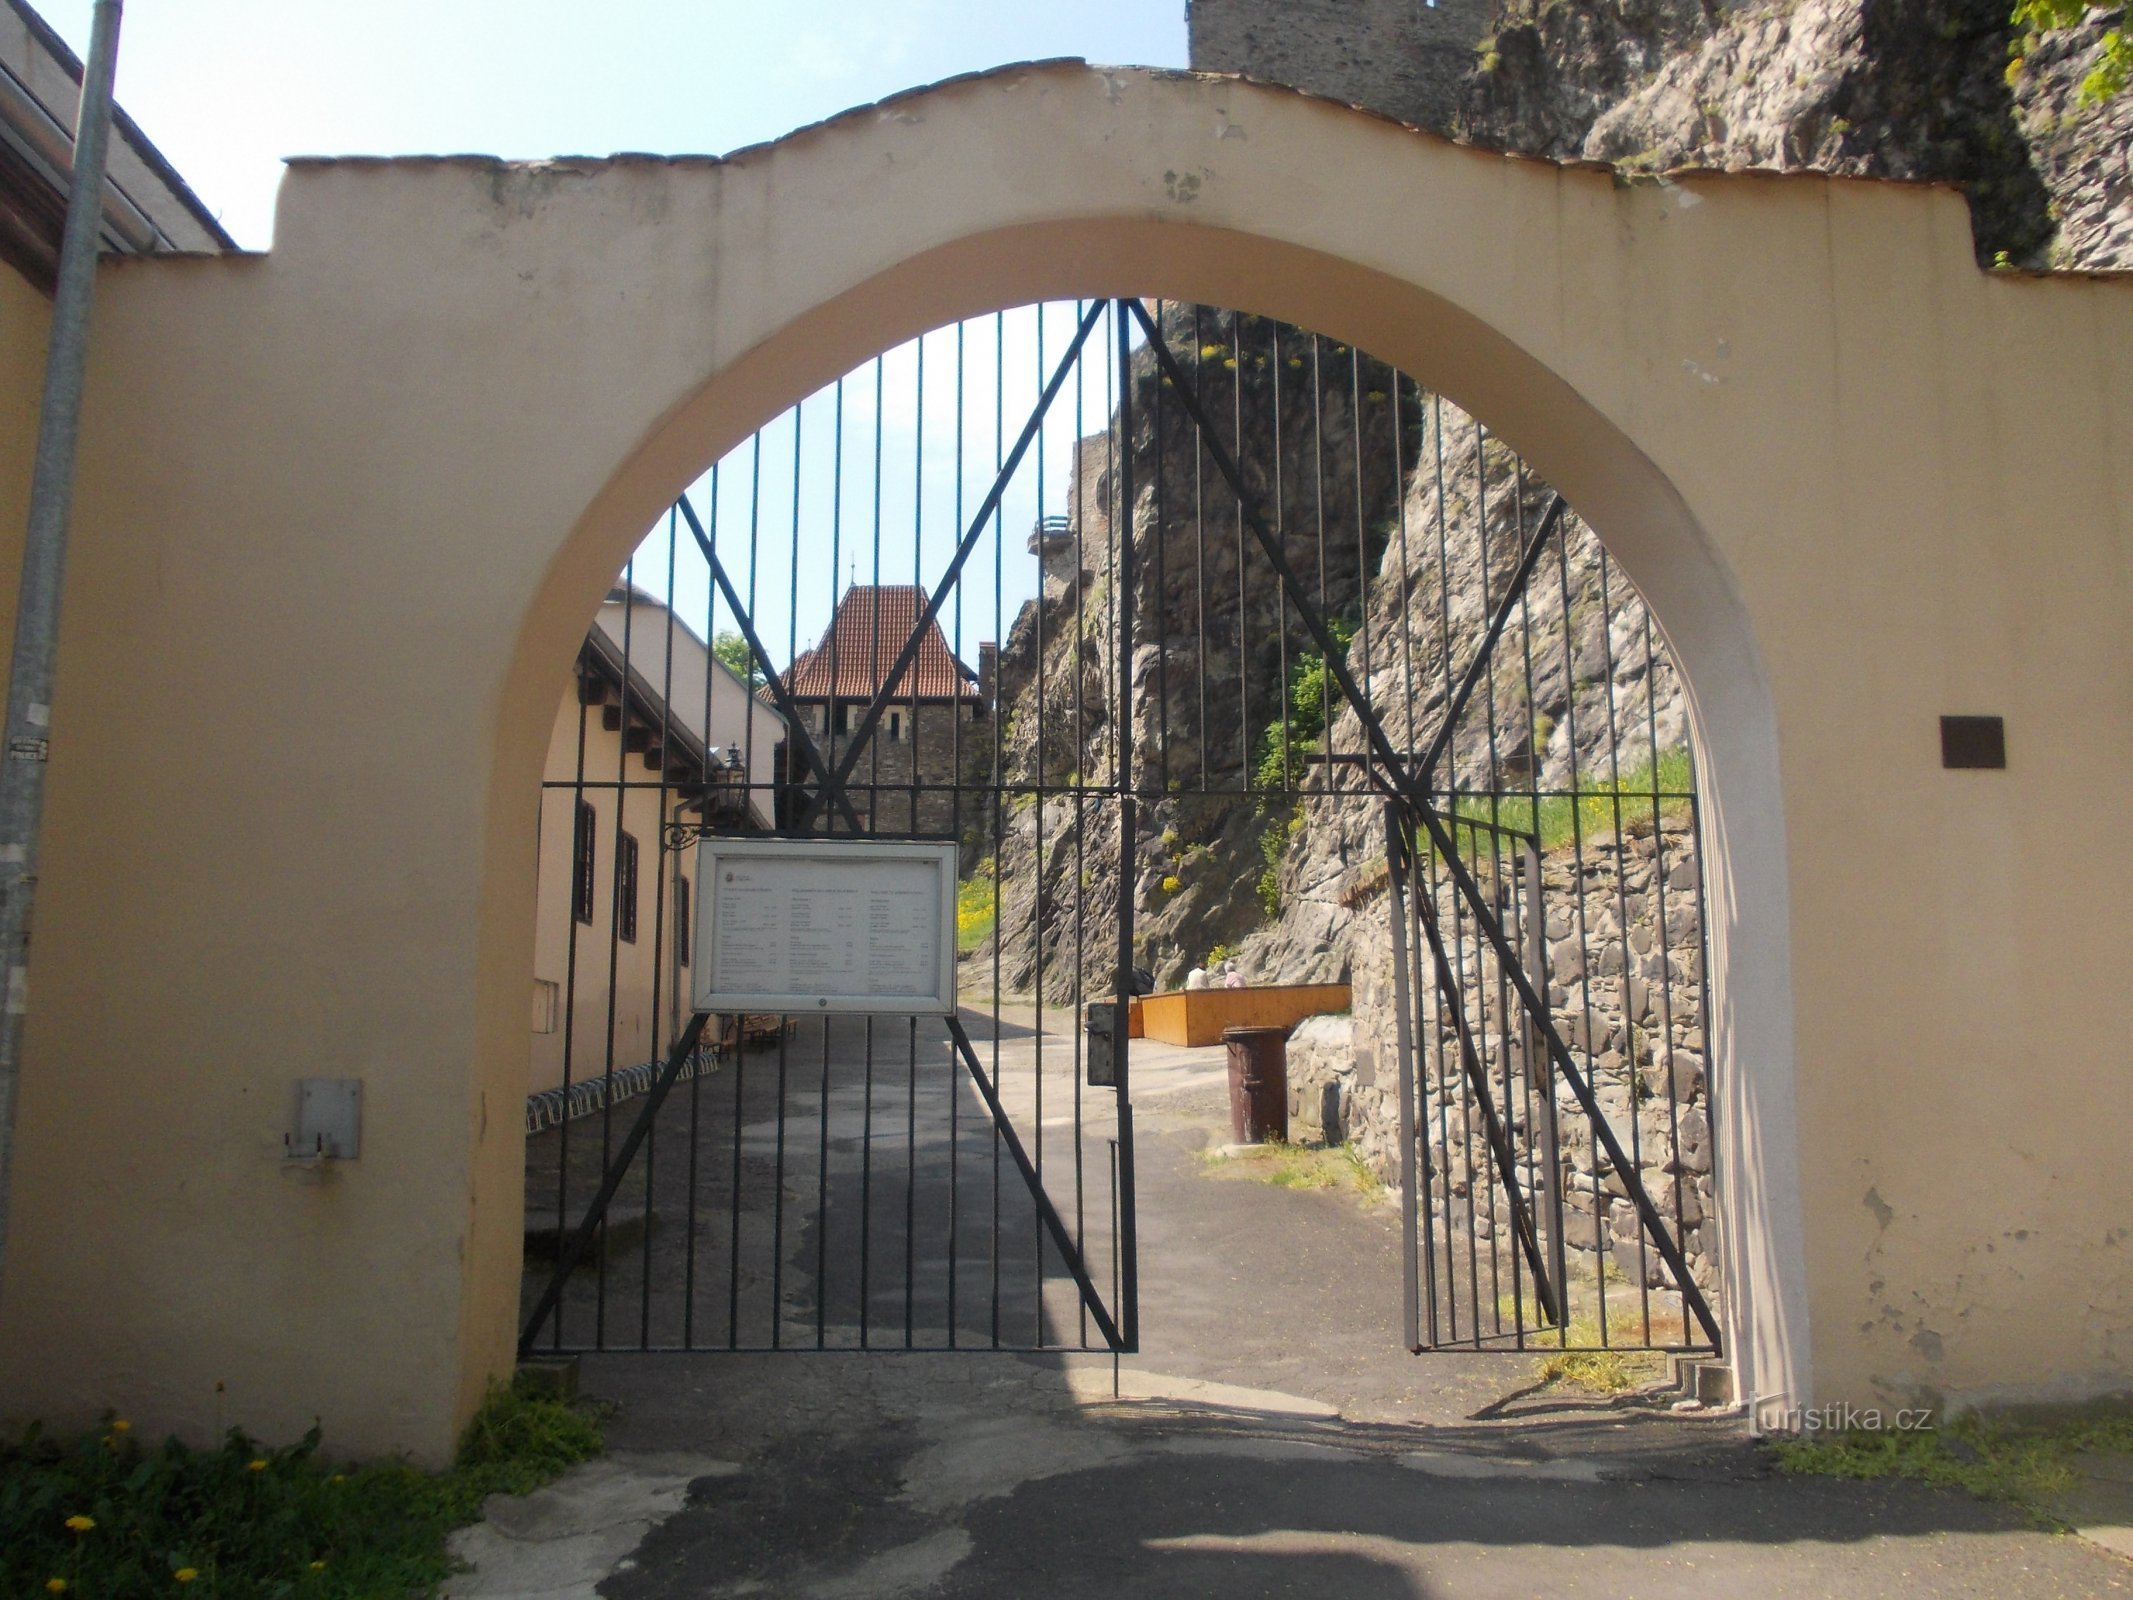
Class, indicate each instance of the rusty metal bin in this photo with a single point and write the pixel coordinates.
(1258, 1083)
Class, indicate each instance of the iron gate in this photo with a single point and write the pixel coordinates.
(1241, 647)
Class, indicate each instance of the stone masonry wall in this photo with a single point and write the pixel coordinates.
(1634, 1024)
(941, 740)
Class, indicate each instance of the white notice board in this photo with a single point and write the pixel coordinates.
(825, 925)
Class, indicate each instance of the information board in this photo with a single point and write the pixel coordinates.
(825, 925)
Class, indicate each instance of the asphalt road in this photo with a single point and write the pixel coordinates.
(1269, 1439)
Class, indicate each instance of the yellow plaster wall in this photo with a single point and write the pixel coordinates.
(346, 509)
(25, 324)
(617, 1002)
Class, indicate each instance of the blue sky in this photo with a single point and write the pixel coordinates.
(227, 88)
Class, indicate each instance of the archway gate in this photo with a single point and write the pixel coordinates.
(1289, 597)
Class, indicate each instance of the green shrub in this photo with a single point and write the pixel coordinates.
(107, 1518)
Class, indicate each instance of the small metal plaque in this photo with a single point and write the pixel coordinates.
(1101, 1027)
(825, 925)
(328, 1123)
(1979, 742)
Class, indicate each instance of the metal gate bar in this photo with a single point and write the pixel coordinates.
(1407, 782)
(747, 1155)
(1484, 1012)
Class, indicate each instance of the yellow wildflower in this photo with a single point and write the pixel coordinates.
(55, 1585)
(80, 1523)
(256, 1464)
(318, 1566)
(121, 1425)
(186, 1574)
(338, 1477)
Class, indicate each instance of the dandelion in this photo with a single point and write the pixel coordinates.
(121, 1425)
(318, 1566)
(55, 1585)
(80, 1523)
(256, 1464)
(186, 1574)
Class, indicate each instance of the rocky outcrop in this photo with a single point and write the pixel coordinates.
(1581, 693)
(1913, 89)
(1214, 643)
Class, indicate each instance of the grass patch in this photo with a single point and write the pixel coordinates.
(1594, 1371)
(977, 907)
(1360, 1176)
(104, 1516)
(1598, 1371)
(2028, 1467)
(1297, 1166)
(1559, 819)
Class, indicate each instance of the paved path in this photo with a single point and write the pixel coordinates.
(1270, 1440)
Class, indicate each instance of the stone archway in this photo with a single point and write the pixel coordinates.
(346, 508)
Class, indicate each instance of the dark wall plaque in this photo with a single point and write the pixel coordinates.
(1973, 742)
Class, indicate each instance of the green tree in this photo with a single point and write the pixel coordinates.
(2114, 66)
(733, 650)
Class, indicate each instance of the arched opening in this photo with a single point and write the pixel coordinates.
(1551, 786)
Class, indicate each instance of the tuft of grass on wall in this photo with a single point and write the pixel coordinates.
(1600, 803)
(106, 1517)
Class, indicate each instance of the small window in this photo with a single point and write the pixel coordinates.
(683, 932)
(587, 841)
(896, 726)
(843, 718)
(626, 889)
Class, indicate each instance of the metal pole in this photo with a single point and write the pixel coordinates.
(1540, 1077)
(1411, 1198)
(44, 549)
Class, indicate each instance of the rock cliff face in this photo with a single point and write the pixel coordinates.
(1914, 89)
(1413, 552)
(1580, 694)
(1214, 645)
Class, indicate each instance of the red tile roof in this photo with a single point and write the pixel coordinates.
(864, 639)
